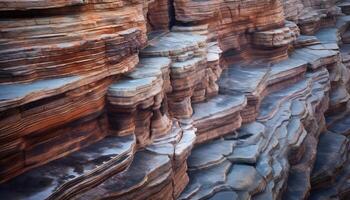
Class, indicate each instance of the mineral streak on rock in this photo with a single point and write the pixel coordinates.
(174, 99)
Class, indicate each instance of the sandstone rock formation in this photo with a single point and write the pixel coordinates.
(180, 99)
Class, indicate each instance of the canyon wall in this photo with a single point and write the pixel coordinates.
(176, 99)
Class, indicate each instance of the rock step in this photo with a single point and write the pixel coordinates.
(17, 94)
(13, 95)
(332, 153)
(225, 176)
(147, 175)
(316, 55)
(248, 81)
(157, 172)
(216, 152)
(285, 136)
(200, 29)
(217, 116)
(255, 80)
(34, 119)
(309, 20)
(330, 38)
(285, 139)
(327, 53)
(172, 44)
(68, 176)
(273, 101)
(305, 40)
(194, 68)
(286, 70)
(134, 101)
(258, 146)
(330, 173)
(276, 37)
(142, 89)
(329, 35)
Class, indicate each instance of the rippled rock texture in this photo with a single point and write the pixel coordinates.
(175, 99)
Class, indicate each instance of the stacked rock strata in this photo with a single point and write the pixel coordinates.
(251, 28)
(310, 15)
(56, 65)
(179, 99)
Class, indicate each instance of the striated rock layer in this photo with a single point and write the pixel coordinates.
(178, 99)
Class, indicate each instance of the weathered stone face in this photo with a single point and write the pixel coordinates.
(310, 15)
(174, 99)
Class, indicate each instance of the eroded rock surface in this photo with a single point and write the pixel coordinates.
(179, 99)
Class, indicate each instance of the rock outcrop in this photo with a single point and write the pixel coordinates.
(175, 99)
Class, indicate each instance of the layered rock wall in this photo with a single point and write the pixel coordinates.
(178, 99)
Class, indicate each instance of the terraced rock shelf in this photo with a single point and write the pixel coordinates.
(181, 99)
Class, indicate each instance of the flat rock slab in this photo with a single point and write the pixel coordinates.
(140, 73)
(236, 79)
(316, 55)
(130, 87)
(287, 69)
(249, 134)
(271, 103)
(72, 172)
(179, 68)
(149, 67)
(253, 128)
(173, 43)
(251, 181)
(145, 168)
(19, 93)
(218, 105)
(204, 183)
(208, 154)
(306, 40)
(298, 108)
(328, 35)
(211, 181)
(245, 154)
(218, 116)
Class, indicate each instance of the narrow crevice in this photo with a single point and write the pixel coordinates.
(171, 13)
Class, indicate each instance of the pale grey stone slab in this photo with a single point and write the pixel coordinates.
(236, 79)
(60, 175)
(251, 181)
(208, 154)
(218, 104)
